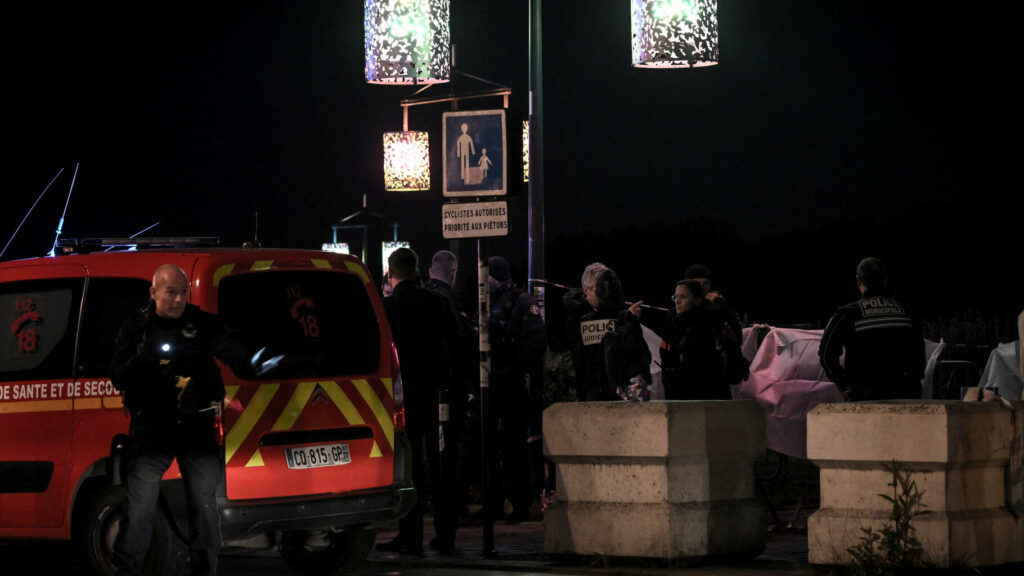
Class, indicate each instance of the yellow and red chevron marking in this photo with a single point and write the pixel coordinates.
(226, 269)
(255, 410)
(259, 265)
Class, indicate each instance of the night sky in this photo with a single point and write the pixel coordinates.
(829, 131)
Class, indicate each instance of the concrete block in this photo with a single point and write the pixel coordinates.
(655, 480)
(653, 530)
(654, 429)
(965, 458)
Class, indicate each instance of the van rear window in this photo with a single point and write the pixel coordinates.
(38, 332)
(322, 321)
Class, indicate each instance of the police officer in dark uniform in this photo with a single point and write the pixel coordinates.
(577, 303)
(883, 342)
(164, 366)
(518, 344)
(607, 301)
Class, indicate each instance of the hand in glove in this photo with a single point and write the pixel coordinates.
(261, 366)
(153, 359)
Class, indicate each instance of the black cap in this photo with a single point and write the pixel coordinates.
(498, 268)
(697, 271)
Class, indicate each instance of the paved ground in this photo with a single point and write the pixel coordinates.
(519, 551)
(520, 548)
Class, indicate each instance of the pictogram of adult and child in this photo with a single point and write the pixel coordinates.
(471, 172)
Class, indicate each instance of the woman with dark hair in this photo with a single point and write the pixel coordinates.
(626, 355)
(691, 362)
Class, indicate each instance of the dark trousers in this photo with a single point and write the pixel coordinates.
(509, 425)
(447, 486)
(441, 488)
(421, 427)
(201, 471)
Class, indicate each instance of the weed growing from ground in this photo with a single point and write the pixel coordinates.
(894, 549)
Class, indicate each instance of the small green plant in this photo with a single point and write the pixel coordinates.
(559, 378)
(893, 549)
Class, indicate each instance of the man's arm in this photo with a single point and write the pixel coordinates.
(131, 357)
(232, 353)
(831, 348)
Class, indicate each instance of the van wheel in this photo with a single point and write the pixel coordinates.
(325, 551)
(96, 527)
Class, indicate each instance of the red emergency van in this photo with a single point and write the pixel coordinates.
(315, 452)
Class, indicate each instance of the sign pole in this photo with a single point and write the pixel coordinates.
(535, 187)
(486, 450)
(478, 142)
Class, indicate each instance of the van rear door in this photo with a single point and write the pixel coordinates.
(39, 306)
(321, 422)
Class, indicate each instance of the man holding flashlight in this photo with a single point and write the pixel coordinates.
(164, 366)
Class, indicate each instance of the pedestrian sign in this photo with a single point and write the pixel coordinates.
(475, 153)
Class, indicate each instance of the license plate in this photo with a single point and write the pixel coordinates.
(317, 456)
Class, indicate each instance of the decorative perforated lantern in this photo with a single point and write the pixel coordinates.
(406, 161)
(675, 33)
(407, 41)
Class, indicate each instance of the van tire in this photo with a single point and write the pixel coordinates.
(326, 552)
(95, 530)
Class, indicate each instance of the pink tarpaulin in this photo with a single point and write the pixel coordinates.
(787, 380)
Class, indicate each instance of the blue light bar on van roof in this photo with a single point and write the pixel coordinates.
(84, 245)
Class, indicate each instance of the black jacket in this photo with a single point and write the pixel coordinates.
(592, 375)
(517, 333)
(445, 289)
(626, 353)
(423, 327)
(691, 362)
(165, 367)
(884, 349)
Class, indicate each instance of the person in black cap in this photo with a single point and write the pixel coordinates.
(882, 341)
(422, 327)
(729, 336)
(518, 344)
(691, 368)
(702, 274)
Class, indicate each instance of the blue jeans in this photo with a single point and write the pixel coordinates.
(201, 470)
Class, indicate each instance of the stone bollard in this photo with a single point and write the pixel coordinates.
(965, 458)
(662, 480)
